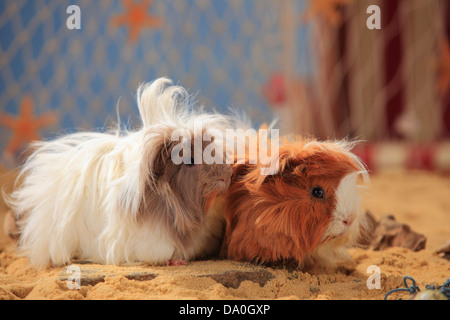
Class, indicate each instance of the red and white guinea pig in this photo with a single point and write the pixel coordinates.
(308, 212)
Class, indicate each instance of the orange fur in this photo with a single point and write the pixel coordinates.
(271, 219)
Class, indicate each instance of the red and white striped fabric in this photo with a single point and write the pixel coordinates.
(407, 156)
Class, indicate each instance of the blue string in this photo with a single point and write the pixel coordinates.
(412, 289)
(444, 289)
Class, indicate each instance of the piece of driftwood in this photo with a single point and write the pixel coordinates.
(444, 251)
(391, 233)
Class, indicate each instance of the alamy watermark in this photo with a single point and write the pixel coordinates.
(237, 146)
(374, 280)
(74, 279)
(74, 20)
(374, 20)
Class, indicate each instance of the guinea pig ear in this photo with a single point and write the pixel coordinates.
(254, 176)
(242, 169)
(162, 157)
(158, 162)
(250, 174)
(290, 161)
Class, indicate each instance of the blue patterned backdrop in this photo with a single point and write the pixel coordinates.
(224, 51)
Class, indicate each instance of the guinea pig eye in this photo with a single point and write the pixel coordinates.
(318, 192)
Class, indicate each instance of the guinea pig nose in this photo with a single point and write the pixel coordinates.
(348, 221)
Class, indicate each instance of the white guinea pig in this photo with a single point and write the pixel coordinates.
(116, 198)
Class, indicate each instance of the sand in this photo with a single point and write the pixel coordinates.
(419, 199)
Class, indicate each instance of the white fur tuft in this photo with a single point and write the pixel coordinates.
(79, 195)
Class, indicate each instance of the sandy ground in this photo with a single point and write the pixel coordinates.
(419, 199)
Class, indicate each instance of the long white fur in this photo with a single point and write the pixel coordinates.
(79, 195)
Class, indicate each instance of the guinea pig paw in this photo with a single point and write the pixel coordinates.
(175, 263)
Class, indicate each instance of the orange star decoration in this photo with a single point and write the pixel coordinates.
(444, 67)
(136, 18)
(328, 9)
(25, 126)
